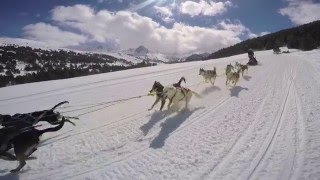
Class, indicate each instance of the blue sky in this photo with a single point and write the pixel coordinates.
(169, 26)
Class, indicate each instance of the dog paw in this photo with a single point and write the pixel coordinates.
(14, 170)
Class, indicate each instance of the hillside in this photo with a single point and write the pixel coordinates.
(20, 64)
(24, 61)
(266, 127)
(305, 37)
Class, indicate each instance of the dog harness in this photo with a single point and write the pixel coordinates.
(184, 94)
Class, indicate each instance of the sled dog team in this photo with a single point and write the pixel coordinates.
(175, 93)
(19, 131)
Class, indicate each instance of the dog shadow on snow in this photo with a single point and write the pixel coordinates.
(246, 77)
(210, 89)
(9, 176)
(234, 91)
(170, 125)
(14, 176)
(154, 119)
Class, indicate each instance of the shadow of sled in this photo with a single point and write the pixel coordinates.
(170, 125)
(236, 90)
(210, 89)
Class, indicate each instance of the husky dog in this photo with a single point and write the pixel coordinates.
(158, 89)
(237, 64)
(25, 143)
(233, 76)
(175, 95)
(243, 68)
(208, 75)
(229, 68)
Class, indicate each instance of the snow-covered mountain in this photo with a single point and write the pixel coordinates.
(134, 55)
(141, 51)
(197, 57)
(265, 127)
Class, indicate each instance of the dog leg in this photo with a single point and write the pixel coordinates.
(163, 101)
(31, 149)
(156, 102)
(186, 105)
(170, 102)
(22, 163)
(235, 82)
(8, 155)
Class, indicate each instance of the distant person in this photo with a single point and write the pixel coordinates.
(252, 59)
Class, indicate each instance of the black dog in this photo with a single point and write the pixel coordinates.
(29, 119)
(158, 88)
(26, 142)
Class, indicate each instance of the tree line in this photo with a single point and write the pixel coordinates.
(43, 65)
(305, 37)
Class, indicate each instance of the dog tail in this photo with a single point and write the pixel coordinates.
(57, 128)
(196, 94)
(182, 79)
(59, 104)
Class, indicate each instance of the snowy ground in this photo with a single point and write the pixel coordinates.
(266, 127)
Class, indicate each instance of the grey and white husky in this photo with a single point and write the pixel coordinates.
(208, 75)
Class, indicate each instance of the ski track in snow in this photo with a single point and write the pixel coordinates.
(266, 127)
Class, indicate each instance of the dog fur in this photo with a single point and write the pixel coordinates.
(25, 143)
(209, 75)
(229, 68)
(176, 95)
(232, 76)
(158, 88)
(241, 67)
(29, 119)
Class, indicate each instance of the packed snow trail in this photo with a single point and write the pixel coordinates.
(266, 127)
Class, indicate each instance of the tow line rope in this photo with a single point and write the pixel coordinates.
(104, 105)
(107, 104)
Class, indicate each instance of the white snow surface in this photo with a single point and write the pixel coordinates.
(266, 127)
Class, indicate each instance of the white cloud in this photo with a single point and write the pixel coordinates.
(101, 1)
(207, 8)
(165, 13)
(264, 33)
(52, 35)
(72, 13)
(129, 29)
(252, 35)
(301, 12)
(237, 27)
